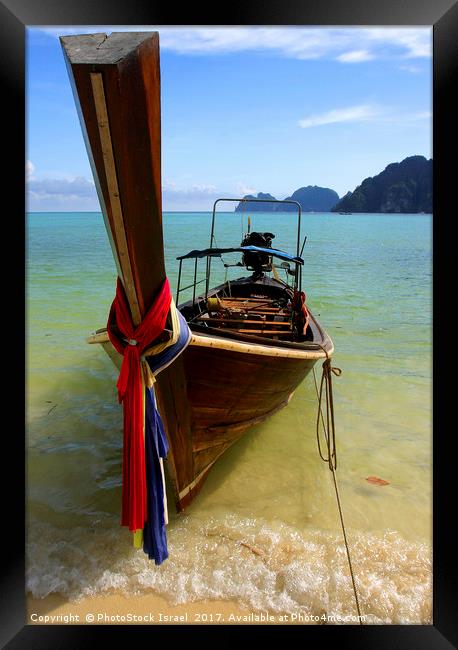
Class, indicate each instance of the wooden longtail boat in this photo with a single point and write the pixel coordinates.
(252, 340)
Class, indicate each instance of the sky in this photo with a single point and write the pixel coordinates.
(245, 110)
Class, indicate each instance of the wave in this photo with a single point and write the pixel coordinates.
(263, 565)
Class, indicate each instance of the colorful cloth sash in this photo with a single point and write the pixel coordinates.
(143, 426)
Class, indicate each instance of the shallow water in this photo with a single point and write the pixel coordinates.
(265, 528)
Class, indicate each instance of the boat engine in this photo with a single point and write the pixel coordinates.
(258, 262)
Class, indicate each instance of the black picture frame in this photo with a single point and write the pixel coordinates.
(15, 16)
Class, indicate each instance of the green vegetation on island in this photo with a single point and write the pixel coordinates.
(257, 207)
(405, 187)
(311, 199)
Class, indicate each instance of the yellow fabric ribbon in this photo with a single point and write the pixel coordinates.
(138, 534)
(138, 538)
(159, 347)
(149, 379)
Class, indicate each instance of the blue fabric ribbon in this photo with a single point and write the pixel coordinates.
(156, 446)
(160, 361)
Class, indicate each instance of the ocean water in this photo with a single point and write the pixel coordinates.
(265, 529)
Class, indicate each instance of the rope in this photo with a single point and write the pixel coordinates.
(221, 258)
(275, 273)
(331, 457)
(329, 425)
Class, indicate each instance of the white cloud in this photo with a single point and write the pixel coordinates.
(293, 42)
(79, 194)
(365, 113)
(169, 185)
(50, 194)
(202, 189)
(243, 189)
(356, 56)
(196, 197)
(63, 188)
(416, 42)
(29, 169)
(360, 113)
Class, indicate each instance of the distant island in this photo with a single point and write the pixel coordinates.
(257, 207)
(311, 199)
(401, 187)
(404, 187)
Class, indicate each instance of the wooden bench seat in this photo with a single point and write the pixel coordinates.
(203, 319)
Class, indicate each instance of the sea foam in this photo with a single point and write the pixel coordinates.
(265, 566)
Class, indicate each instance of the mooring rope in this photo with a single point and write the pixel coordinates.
(331, 458)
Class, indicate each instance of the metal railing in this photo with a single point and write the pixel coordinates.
(244, 201)
(298, 276)
(189, 286)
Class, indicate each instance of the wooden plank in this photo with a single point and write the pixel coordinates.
(237, 427)
(207, 457)
(264, 332)
(203, 319)
(252, 384)
(215, 340)
(242, 396)
(176, 414)
(113, 191)
(213, 436)
(249, 298)
(249, 307)
(186, 497)
(246, 301)
(269, 312)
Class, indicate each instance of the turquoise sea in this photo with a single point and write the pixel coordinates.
(265, 529)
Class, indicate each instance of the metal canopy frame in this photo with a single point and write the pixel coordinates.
(296, 203)
(216, 252)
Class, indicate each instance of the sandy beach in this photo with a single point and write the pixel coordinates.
(143, 610)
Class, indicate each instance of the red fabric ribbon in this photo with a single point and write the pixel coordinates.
(130, 393)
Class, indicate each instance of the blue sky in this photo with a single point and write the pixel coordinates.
(246, 110)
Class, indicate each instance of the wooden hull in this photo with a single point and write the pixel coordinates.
(229, 392)
(214, 392)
